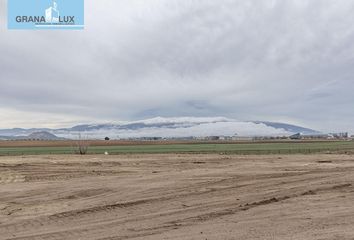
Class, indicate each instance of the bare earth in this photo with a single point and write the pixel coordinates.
(177, 197)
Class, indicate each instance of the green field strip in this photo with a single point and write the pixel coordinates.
(239, 148)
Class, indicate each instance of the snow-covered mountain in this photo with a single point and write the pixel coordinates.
(171, 127)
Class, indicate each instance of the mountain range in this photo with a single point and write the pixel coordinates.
(163, 127)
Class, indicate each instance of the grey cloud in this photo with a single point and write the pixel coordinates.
(259, 60)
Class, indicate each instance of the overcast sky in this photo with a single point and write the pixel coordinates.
(277, 60)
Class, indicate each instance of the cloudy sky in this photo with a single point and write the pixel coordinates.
(277, 60)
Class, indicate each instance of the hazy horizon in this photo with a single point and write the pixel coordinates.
(286, 61)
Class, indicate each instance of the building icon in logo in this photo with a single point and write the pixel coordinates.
(52, 14)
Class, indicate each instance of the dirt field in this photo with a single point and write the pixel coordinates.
(70, 143)
(177, 197)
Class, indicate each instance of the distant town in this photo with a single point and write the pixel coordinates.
(46, 136)
(298, 136)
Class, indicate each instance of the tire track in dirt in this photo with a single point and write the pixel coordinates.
(57, 171)
(7, 177)
(143, 232)
(211, 216)
(248, 206)
(65, 218)
(161, 210)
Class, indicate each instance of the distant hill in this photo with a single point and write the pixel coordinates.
(5, 138)
(43, 135)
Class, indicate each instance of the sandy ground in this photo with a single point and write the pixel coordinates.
(177, 197)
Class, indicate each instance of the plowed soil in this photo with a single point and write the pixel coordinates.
(177, 197)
